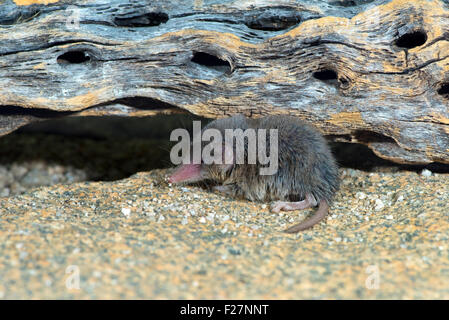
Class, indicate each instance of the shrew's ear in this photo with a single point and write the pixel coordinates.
(228, 157)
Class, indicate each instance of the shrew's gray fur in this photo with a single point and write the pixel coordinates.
(307, 171)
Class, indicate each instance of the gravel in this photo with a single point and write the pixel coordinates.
(17, 178)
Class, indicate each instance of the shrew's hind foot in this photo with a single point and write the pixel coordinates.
(227, 190)
(308, 202)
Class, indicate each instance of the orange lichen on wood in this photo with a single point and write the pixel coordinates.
(228, 40)
(30, 2)
(339, 119)
(90, 98)
(40, 66)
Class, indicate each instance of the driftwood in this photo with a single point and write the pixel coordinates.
(371, 72)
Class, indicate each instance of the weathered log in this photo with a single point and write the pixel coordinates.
(371, 72)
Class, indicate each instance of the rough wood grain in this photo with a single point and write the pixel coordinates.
(372, 72)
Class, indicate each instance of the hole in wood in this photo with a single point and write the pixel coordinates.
(150, 19)
(411, 40)
(211, 61)
(325, 75)
(444, 90)
(270, 21)
(350, 3)
(344, 83)
(73, 57)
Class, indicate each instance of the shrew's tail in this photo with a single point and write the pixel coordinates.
(319, 215)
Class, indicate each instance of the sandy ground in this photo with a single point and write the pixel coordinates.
(386, 237)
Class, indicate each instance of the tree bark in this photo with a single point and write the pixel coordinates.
(371, 72)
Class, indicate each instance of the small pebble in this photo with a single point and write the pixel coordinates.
(126, 212)
(379, 205)
(150, 213)
(361, 195)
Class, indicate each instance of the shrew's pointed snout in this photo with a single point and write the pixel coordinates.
(186, 173)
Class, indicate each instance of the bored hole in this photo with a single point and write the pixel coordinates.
(344, 83)
(412, 40)
(344, 3)
(350, 3)
(268, 22)
(211, 61)
(73, 57)
(325, 75)
(150, 19)
(444, 90)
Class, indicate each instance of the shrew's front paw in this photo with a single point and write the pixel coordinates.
(227, 190)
